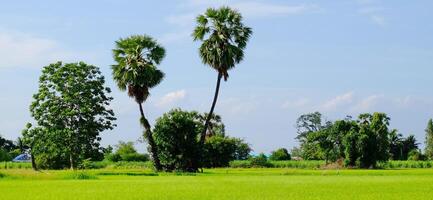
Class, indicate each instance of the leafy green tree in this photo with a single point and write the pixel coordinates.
(280, 154)
(429, 140)
(176, 135)
(308, 124)
(374, 139)
(70, 110)
(220, 150)
(224, 38)
(136, 71)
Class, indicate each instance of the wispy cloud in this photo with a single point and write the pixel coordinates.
(24, 50)
(171, 97)
(367, 104)
(373, 11)
(337, 101)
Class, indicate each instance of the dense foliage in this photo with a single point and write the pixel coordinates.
(280, 154)
(70, 110)
(176, 137)
(361, 143)
(220, 150)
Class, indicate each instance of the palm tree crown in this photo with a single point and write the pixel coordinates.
(135, 71)
(224, 38)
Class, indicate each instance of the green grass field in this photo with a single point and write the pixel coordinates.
(107, 184)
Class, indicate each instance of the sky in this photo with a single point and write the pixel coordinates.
(338, 57)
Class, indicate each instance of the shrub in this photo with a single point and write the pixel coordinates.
(220, 150)
(113, 157)
(79, 175)
(280, 154)
(126, 152)
(176, 136)
(134, 157)
(260, 161)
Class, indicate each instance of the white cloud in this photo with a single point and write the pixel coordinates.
(171, 97)
(367, 104)
(23, 50)
(340, 100)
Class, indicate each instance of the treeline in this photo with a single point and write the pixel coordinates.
(361, 142)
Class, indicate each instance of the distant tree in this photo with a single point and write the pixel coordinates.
(396, 145)
(125, 151)
(176, 135)
(429, 140)
(70, 110)
(374, 139)
(308, 124)
(296, 152)
(409, 144)
(7, 145)
(224, 38)
(136, 70)
(280, 154)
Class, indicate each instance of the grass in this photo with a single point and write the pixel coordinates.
(264, 183)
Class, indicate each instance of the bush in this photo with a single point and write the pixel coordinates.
(260, 161)
(220, 150)
(126, 152)
(415, 155)
(280, 154)
(176, 136)
(79, 175)
(135, 157)
(113, 157)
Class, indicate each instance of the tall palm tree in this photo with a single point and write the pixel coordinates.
(224, 38)
(137, 57)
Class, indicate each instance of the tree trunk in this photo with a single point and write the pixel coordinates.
(150, 140)
(34, 163)
(71, 161)
(32, 158)
(215, 98)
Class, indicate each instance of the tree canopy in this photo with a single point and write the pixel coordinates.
(71, 109)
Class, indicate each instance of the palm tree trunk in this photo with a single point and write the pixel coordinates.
(215, 98)
(150, 140)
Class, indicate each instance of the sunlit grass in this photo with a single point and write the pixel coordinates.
(263, 183)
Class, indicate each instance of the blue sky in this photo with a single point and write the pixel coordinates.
(339, 57)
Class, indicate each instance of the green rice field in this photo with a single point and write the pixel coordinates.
(264, 183)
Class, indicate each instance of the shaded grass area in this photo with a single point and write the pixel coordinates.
(263, 183)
